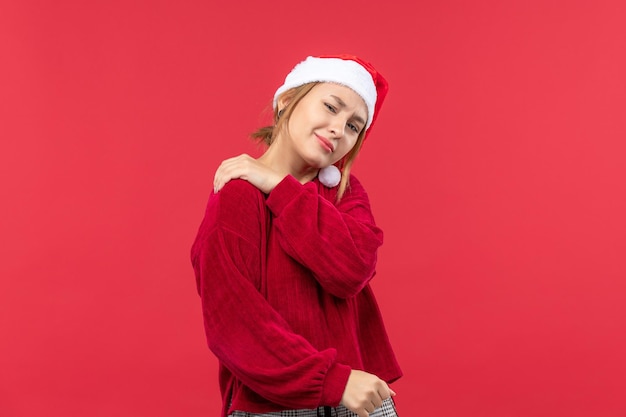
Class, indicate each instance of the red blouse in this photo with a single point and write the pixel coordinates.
(283, 280)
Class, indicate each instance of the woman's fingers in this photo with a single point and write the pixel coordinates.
(229, 169)
(365, 392)
(246, 168)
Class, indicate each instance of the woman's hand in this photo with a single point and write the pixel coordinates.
(364, 393)
(246, 168)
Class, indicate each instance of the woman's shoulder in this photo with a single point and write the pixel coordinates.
(237, 200)
(354, 181)
(233, 215)
(355, 187)
(238, 188)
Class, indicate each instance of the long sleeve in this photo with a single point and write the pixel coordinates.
(337, 243)
(245, 333)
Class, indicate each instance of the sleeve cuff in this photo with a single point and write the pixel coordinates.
(335, 384)
(283, 194)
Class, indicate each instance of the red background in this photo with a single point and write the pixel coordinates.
(496, 170)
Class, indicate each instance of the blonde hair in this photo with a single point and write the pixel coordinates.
(267, 134)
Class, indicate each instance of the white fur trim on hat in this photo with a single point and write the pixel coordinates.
(341, 71)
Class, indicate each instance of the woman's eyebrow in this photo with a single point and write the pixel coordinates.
(357, 118)
(339, 101)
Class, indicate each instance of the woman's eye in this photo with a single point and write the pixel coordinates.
(353, 128)
(329, 107)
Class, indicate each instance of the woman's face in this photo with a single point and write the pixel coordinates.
(325, 124)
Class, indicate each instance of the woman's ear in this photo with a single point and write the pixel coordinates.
(283, 101)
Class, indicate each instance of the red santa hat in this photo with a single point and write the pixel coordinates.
(348, 70)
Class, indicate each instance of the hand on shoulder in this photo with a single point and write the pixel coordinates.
(246, 168)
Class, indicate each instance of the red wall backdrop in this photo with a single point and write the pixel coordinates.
(496, 170)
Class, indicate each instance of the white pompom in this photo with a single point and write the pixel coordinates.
(330, 176)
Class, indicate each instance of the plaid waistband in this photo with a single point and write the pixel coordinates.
(387, 409)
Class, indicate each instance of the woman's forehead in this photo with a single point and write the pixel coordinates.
(346, 94)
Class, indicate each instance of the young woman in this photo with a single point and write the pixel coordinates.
(285, 253)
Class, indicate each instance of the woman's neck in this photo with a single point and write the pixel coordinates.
(286, 161)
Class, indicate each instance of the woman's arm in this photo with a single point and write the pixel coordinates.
(247, 335)
(337, 243)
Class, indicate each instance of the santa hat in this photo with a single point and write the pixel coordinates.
(347, 70)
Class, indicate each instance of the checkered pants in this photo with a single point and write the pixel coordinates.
(388, 409)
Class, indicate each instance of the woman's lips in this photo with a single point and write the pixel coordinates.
(326, 144)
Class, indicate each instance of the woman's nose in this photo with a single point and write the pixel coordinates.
(337, 127)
